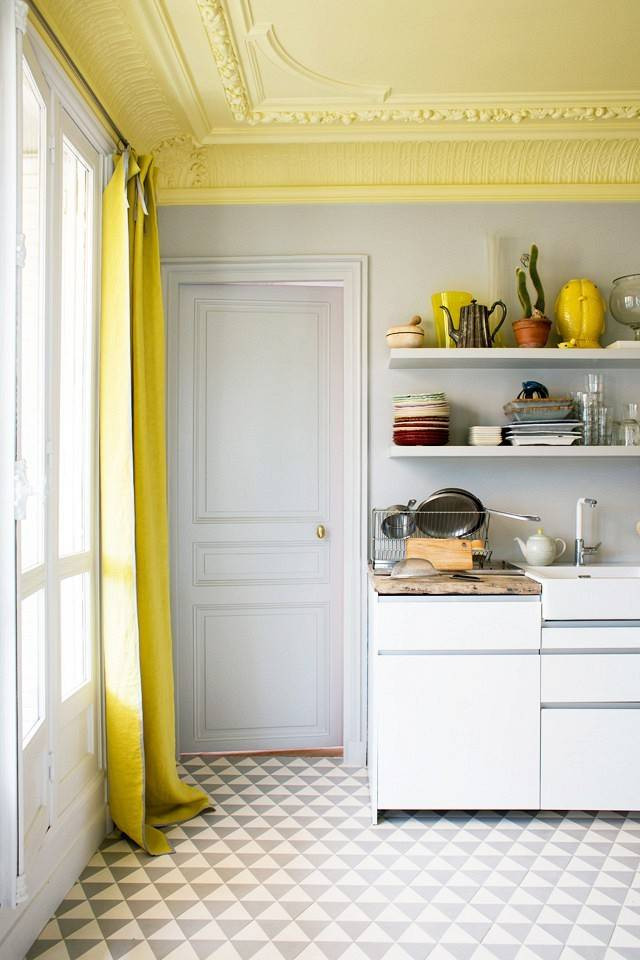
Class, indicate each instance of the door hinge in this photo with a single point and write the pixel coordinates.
(22, 893)
(50, 767)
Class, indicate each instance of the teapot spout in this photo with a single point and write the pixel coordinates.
(522, 546)
(451, 330)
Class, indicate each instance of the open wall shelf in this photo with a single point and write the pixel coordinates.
(479, 358)
(514, 453)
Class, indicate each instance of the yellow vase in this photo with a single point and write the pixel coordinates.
(453, 300)
(580, 311)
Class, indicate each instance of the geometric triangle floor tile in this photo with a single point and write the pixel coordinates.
(288, 867)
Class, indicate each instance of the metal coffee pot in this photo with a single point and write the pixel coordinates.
(473, 329)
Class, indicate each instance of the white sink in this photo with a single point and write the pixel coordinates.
(596, 592)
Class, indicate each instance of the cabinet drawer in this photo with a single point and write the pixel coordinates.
(589, 759)
(458, 732)
(600, 636)
(590, 678)
(443, 624)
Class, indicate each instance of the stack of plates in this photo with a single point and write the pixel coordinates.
(485, 436)
(420, 419)
(561, 433)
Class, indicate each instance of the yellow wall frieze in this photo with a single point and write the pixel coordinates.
(463, 169)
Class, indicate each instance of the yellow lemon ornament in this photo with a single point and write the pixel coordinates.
(580, 311)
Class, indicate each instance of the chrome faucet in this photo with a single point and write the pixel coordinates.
(581, 551)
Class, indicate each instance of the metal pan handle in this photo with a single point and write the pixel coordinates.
(513, 516)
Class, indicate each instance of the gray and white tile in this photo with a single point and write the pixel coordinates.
(289, 866)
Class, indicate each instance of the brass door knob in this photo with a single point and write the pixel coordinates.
(321, 532)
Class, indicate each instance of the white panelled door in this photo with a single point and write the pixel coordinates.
(257, 539)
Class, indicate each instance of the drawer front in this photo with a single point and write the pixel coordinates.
(589, 759)
(602, 636)
(590, 678)
(458, 732)
(436, 624)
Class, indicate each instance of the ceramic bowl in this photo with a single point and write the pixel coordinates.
(407, 339)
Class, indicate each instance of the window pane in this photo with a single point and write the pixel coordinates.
(75, 633)
(32, 342)
(32, 665)
(75, 355)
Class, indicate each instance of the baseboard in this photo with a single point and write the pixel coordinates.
(65, 856)
(355, 754)
(310, 752)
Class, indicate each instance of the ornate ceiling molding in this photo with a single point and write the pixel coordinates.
(422, 170)
(107, 50)
(215, 23)
(597, 108)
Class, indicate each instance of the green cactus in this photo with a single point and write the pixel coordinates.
(529, 262)
(535, 278)
(523, 293)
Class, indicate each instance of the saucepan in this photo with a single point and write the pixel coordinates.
(400, 523)
(452, 512)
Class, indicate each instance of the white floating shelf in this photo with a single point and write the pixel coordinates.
(512, 453)
(483, 358)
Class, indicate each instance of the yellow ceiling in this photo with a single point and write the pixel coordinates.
(187, 75)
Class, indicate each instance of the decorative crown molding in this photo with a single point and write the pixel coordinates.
(222, 46)
(112, 58)
(392, 170)
(224, 54)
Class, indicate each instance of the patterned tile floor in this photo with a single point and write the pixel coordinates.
(289, 866)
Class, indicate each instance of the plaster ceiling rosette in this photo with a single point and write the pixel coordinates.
(414, 95)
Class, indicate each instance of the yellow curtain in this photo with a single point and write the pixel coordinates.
(145, 791)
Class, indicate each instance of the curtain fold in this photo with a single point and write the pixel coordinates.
(145, 791)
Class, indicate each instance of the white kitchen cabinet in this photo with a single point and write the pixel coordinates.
(457, 623)
(454, 702)
(590, 678)
(458, 731)
(590, 758)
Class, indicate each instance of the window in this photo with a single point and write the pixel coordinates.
(74, 524)
(31, 342)
(56, 441)
(32, 384)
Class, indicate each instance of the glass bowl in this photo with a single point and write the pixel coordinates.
(624, 302)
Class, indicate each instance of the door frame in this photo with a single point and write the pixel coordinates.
(350, 273)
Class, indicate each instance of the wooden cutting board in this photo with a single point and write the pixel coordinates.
(449, 554)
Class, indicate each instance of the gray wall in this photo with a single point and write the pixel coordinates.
(415, 250)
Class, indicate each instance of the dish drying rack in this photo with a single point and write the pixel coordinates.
(386, 547)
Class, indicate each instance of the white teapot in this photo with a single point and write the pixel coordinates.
(541, 550)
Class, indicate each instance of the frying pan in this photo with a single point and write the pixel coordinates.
(452, 512)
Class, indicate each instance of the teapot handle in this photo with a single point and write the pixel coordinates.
(498, 303)
(563, 547)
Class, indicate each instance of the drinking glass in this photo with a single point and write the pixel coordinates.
(594, 383)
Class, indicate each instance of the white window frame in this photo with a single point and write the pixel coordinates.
(68, 115)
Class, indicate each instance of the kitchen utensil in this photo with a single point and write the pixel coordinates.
(541, 550)
(399, 524)
(473, 329)
(452, 512)
(453, 300)
(415, 567)
(445, 554)
(465, 576)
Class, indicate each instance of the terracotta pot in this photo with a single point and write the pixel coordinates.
(532, 331)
